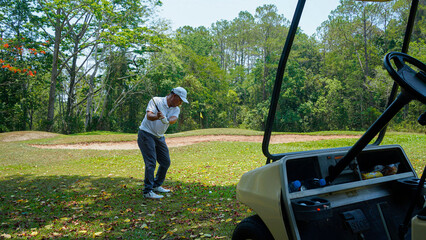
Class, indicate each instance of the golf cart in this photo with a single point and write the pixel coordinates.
(366, 191)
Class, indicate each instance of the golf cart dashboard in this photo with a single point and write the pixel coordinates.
(304, 173)
(375, 185)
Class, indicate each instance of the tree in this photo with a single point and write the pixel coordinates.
(220, 31)
(197, 39)
(272, 31)
(22, 60)
(87, 27)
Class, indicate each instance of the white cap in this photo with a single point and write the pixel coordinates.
(181, 92)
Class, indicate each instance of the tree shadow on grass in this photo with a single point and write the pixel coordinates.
(113, 207)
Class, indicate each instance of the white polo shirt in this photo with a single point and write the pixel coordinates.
(157, 128)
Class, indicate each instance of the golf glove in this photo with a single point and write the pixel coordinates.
(165, 121)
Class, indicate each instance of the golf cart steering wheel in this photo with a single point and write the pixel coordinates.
(413, 87)
(412, 84)
(411, 81)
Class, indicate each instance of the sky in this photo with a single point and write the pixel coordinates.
(197, 13)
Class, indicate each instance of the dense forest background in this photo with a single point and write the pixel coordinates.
(73, 66)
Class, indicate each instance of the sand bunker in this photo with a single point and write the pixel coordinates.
(183, 141)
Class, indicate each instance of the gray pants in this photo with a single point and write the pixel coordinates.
(153, 150)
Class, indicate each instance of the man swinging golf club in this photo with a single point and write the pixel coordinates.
(160, 113)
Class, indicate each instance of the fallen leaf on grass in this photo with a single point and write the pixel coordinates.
(196, 226)
(6, 236)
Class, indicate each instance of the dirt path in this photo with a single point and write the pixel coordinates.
(183, 141)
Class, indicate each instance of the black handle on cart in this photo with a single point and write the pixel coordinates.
(403, 228)
(422, 119)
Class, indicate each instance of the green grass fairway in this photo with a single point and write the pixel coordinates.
(53, 193)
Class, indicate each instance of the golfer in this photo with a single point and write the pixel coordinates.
(160, 113)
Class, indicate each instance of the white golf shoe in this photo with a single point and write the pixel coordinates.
(152, 195)
(160, 189)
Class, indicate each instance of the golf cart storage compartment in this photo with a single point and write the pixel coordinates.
(351, 207)
(306, 168)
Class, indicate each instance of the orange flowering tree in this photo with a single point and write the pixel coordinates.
(14, 58)
(21, 84)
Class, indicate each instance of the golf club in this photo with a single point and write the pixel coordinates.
(155, 104)
(164, 119)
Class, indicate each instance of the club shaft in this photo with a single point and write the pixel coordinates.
(155, 104)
